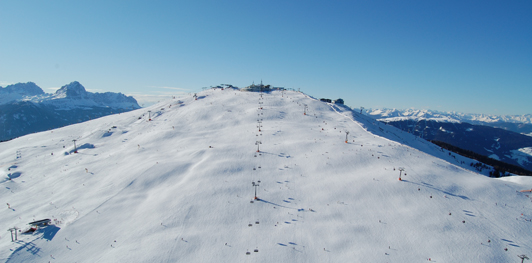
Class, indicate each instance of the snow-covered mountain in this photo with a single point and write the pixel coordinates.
(19, 91)
(467, 131)
(25, 108)
(181, 186)
(69, 96)
(481, 119)
(496, 143)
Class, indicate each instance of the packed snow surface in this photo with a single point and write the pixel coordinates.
(179, 188)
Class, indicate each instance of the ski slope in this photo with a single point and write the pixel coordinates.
(179, 188)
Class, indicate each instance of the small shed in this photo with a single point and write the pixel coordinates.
(36, 224)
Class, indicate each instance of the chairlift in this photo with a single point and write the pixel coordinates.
(247, 253)
(250, 224)
(256, 250)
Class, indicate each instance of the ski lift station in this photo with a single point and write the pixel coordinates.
(338, 101)
(260, 88)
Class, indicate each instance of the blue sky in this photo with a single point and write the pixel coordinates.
(465, 56)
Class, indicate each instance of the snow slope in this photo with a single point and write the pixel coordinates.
(178, 189)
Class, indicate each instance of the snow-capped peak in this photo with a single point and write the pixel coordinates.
(74, 90)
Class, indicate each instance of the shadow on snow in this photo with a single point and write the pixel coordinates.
(268, 202)
(440, 190)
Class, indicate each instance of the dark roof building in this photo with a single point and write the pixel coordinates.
(339, 101)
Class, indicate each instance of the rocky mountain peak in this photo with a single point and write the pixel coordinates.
(74, 90)
(27, 89)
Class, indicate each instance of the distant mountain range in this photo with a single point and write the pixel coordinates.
(25, 108)
(498, 137)
(516, 123)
